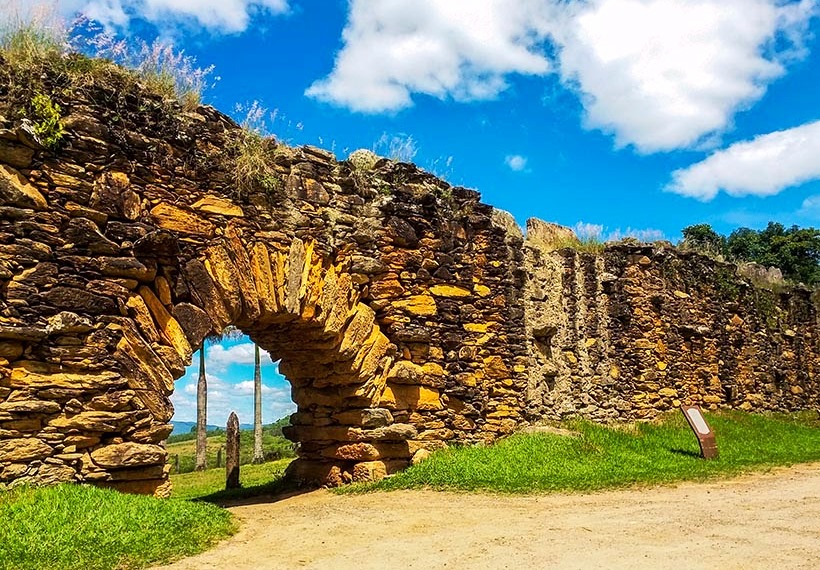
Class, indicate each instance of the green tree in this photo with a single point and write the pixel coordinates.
(744, 244)
(702, 237)
(796, 251)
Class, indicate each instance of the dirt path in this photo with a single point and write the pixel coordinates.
(767, 520)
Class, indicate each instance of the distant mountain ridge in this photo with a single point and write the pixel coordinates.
(185, 427)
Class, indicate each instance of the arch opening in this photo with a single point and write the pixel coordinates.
(301, 306)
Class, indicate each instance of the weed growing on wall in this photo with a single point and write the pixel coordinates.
(253, 152)
(48, 125)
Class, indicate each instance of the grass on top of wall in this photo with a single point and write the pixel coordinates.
(657, 452)
(77, 527)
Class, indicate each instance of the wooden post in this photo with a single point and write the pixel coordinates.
(232, 452)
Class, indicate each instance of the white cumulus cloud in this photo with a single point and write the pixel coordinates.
(218, 358)
(763, 166)
(460, 48)
(516, 162)
(663, 74)
(225, 397)
(657, 74)
(223, 16)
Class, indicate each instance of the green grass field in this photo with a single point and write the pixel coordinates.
(75, 527)
(182, 447)
(604, 457)
(210, 485)
(274, 446)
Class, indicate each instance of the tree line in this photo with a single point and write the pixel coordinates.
(794, 250)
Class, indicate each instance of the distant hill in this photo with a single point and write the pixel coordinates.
(185, 427)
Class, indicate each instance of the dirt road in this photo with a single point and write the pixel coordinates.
(769, 520)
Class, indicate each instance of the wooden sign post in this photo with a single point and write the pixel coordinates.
(705, 435)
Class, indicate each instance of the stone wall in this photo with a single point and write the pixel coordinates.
(391, 298)
(406, 313)
(639, 329)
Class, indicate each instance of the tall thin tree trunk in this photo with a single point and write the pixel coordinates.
(201, 413)
(258, 454)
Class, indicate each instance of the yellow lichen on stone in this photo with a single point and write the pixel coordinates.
(38, 375)
(163, 290)
(406, 397)
(494, 367)
(313, 285)
(176, 219)
(214, 205)
(481, 290)
(449, 291)
(142, 315)
(167, 325)
(358, 330)
(422, 305)
(263, 278)
(15, 189)
(278, 268)
(476, 327)
(223, 272)
(308, 263)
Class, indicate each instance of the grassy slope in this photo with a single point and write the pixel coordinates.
(272, 444)
(77, 527)
(209, 485)
(603, 457)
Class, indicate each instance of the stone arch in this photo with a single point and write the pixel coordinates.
(391, 310)
(301, 305)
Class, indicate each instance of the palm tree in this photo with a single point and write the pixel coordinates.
(258, 454)
(201, 412)
(202, 400)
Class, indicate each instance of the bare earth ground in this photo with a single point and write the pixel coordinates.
(769, 520)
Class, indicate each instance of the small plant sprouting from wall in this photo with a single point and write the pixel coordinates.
(47, 121)
(726, 282)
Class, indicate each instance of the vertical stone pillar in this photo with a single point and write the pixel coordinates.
(232, 452)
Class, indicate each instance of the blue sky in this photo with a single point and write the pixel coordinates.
(617, 117)
(229, 371)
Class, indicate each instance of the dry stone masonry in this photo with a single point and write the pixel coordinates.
(406, 313)
(643, 328)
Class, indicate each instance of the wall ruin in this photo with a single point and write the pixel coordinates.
(406, 313)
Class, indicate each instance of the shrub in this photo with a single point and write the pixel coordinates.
(362, 160)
